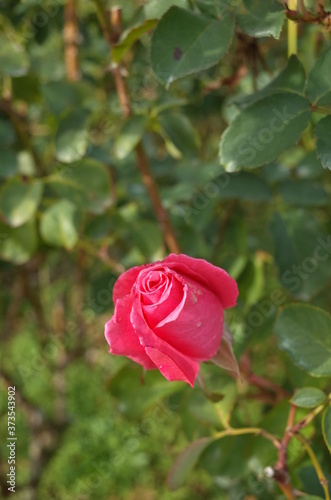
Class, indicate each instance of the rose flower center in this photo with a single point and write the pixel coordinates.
(153, 285)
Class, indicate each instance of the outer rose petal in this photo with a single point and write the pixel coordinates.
(170, 370)
(121, 336)
(197, 331)
(172, 364)
(212, 277)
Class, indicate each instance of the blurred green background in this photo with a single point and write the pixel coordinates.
(74, 214)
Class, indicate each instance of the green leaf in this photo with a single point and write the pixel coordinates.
(130, 135)
(310, 497)
(13, 59)
(180, 137)
(61, 96)
(214, 8)
(129, 37)
(8, 163)
(291, 79)
(323, 144)
(17, 245)
(154, 9)
(101, 226)
(46, 59)
(185, 43)
(308, 397)
(304, 332)
(137, 396)
(318, 86)
(26, 88)
(59, 225)
(86, 184)
(326, 427)
(263, 130)
(185, 462)
(19, 200)
(222, 455)
(309, 167)
(303, 193)
(262, 18)
(284, 252)
(71, 139)
(7, 133)
(167, 103)
(245, 186)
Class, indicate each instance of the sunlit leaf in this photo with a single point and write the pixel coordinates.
(19, 200)
(59, 224)
(308, 397)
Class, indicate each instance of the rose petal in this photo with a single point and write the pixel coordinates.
(198, 329)
(121, 336)
(170, 370)
(214, 278)
(170, 304)
(172, 364)
(126, 281)
(159, 291)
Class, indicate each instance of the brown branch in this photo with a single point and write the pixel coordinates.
(266, 384)
(101, 254)
(319, 5)
(153, 192)
(112, 32)
(280, 469)
(306, 420)
(321, 17)
(116, 23)
(122, 92)
(71, 40)
(229, 81)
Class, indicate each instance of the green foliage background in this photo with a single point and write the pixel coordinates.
(238, 140)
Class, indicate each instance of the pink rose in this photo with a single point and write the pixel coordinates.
(169, 315)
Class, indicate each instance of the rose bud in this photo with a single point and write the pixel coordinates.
(169, 315)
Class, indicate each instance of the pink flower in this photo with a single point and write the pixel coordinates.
(169, 315)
